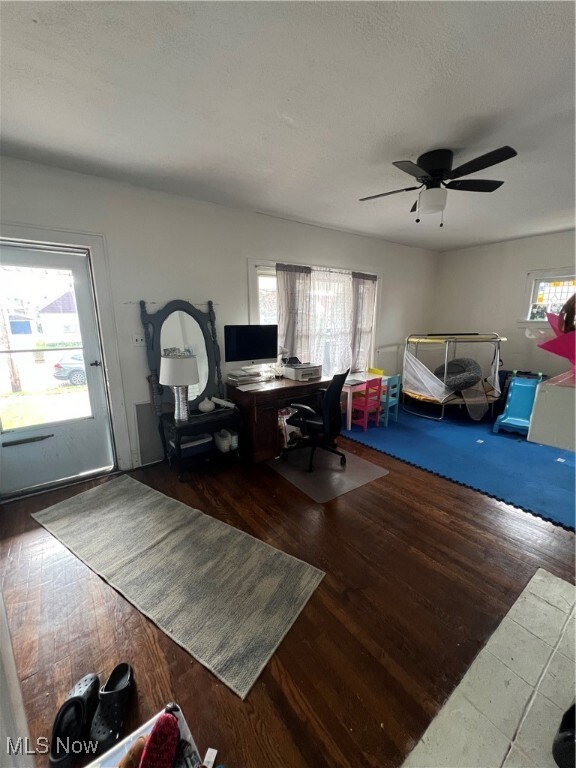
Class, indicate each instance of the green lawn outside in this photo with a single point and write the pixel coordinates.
(25, 409)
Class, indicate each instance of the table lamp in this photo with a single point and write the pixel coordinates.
(179, 373)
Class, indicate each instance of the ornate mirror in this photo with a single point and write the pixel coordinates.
(176, 328)
(180, 333)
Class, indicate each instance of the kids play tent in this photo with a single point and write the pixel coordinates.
(458, 379)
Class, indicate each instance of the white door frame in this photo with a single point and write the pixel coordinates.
(96, 245)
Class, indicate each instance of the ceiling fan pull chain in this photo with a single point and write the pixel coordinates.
(442, 218)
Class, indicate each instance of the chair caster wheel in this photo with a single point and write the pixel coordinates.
(343, 461)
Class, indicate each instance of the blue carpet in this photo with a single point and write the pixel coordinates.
(536, 478)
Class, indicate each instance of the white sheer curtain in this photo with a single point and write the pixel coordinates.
(326, 316)
(331, 320)
(363, 303)
(294, 294)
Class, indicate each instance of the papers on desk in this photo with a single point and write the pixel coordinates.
(249, 387)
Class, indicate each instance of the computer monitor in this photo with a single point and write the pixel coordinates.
(251, 344)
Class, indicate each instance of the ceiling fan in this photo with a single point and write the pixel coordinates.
(433, 169)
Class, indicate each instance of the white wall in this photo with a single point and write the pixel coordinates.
(484, 289)
(162, 247)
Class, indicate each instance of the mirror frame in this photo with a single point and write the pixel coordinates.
(152, 323)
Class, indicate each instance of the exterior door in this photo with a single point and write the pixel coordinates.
(54, 415)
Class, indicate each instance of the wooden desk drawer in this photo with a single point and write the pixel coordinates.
(265, 436)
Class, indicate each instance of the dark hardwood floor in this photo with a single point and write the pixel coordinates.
(419, 572)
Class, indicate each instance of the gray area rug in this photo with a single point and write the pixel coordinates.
(328, 479)
(224, 596)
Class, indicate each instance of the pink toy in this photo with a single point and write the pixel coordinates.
(564, 345)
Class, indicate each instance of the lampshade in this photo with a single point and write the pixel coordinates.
(179, 371)
(432, 200)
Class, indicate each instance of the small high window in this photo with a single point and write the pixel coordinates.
(549, 294)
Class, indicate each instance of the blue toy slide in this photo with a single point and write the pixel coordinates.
(519, 404)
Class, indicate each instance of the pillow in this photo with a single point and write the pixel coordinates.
(461, 373)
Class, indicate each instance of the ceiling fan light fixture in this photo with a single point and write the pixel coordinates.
(432, 200)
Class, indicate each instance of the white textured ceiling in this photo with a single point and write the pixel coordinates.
(297, 109)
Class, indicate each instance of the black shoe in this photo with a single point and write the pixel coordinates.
(109, 717)
(564, 747)
(73, 722)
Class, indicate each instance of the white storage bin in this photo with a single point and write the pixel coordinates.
(189, 756)
(223, 439)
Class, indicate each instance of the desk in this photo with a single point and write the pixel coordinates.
(260, 438)
(349, 388)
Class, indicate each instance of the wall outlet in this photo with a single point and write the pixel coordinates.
(138, 340)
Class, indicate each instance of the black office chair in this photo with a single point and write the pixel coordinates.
(319, 428)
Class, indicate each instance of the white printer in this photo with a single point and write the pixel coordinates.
(302, 371)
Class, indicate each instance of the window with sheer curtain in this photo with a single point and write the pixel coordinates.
(325, 316)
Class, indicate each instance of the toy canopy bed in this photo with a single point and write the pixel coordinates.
(458, 380)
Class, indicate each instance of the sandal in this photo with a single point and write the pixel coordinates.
(109, 716)
(72, 722)
(162, 744)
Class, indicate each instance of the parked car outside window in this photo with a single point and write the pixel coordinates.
(71, 369)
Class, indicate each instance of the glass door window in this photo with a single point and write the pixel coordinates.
(42, 367)
(54, 416)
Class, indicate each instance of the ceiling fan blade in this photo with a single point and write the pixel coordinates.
(409, 167)
(414, 207)
(475, 185)
(484, 161)
(385, 194)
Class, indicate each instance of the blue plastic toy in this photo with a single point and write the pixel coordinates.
(519, 404)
